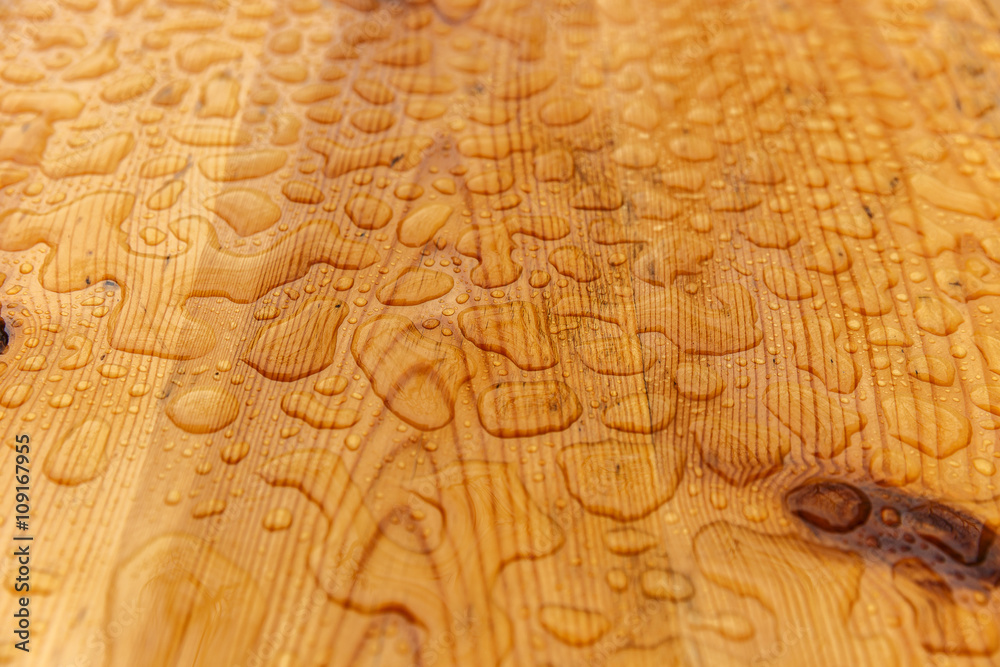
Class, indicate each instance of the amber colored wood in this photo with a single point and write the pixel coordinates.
(512, 332)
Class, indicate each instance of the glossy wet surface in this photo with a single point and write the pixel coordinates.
(597, 332)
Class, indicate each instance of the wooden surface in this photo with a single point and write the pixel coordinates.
(562, 332)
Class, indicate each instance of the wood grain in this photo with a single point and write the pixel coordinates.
(448, 332)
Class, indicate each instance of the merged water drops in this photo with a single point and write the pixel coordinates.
(608, 332)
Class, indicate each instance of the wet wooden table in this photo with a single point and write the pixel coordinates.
(560, 332)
